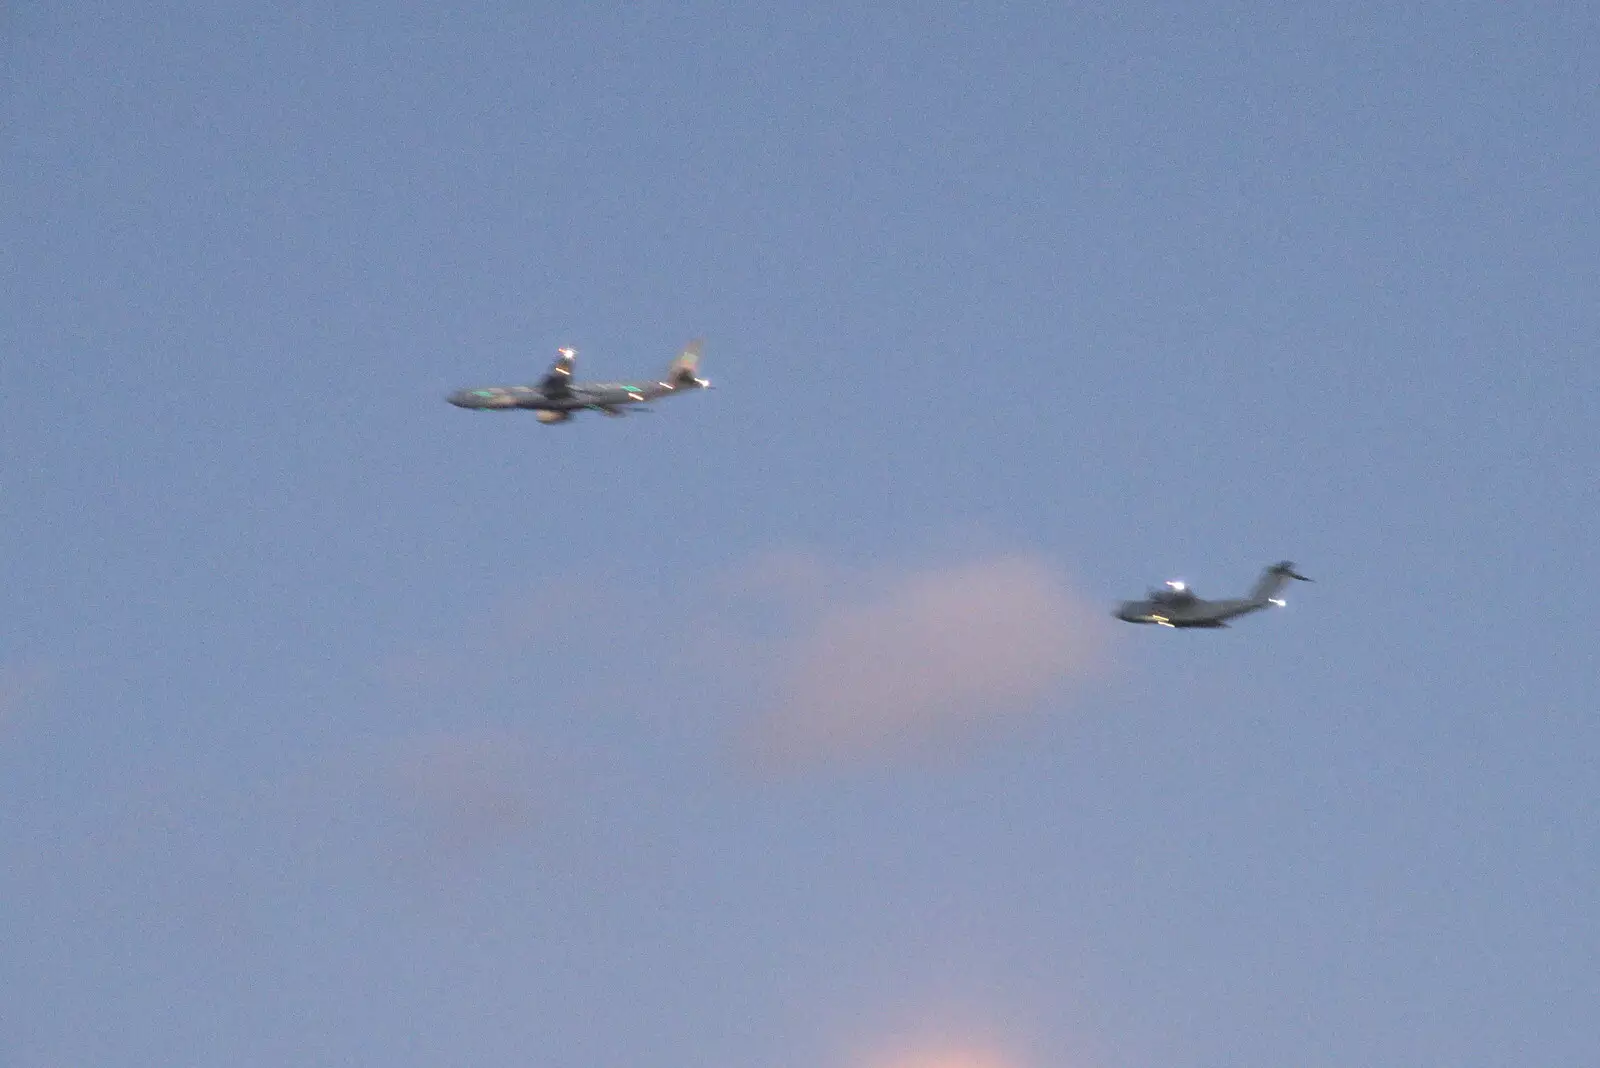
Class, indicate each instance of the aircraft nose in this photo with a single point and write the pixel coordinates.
(461, 398)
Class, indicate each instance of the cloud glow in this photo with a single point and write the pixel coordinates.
(900, 660)
(948, 1058)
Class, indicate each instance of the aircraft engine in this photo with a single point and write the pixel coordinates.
(551, 417)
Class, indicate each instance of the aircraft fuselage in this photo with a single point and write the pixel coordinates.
(577, 397)
(1179, 608)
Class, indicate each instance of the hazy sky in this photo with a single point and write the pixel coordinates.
(788, 727)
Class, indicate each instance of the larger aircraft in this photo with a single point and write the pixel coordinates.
(556, 398)
(1177, 605)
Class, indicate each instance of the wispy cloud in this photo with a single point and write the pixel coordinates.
(887, 661)
(806, 661)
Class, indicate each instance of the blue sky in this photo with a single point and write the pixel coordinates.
(340, 726)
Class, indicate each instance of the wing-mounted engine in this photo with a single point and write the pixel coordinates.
(552, 417)
(1174, 592)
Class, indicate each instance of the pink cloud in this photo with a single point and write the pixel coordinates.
(943, 1058)
(903, 660)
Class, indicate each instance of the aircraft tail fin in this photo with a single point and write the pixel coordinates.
(1274, 579)
(685, 369)
(558, 380)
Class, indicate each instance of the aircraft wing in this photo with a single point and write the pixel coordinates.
(557, 382)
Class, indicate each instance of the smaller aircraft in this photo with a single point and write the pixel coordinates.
(557, 398)
(1177, 606)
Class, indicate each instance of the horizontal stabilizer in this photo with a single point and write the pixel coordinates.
(1274, 579)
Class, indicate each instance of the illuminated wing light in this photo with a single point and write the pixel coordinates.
(1279, 601)
(1178, 585)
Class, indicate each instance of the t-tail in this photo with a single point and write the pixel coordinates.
(683, 374)
(1272, 580)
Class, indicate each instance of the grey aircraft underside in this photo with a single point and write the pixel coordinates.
(556, 397)
(1177, 606)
